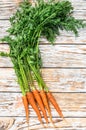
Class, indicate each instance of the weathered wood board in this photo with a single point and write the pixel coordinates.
(11, 105)
(64, 38)
(19, 123)
(54, 56)
(58, 80)
(8, 7)
(64, 71)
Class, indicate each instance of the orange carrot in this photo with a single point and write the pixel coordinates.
(46, 104)
(31, 101)
(54, 103)
(40, 103)
(25, 102)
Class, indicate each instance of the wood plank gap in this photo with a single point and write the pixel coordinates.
(48, 116)
(63, 44)
(9, 19)
(51, 68)
(69, 44)
(52, 92)
(6, 67)
(63, 67)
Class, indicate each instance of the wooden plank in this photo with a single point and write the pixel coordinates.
(15, 123)
(68, 38)
(4, 25)
(58, 80)
(6, 13)
(72, 105)
(55, 56)
(65, 37)
(8, 7)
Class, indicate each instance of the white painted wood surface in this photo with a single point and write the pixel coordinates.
(15, 122)
(58, 80)
(8, 7)
(55, 56)
(64, 72)
(73, 105)
(65, 37)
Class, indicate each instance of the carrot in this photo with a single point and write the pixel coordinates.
(31, 101)
(40, 103)
(46, 104)
(54, 103)
(25, 102)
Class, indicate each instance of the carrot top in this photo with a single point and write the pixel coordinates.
(28, 24)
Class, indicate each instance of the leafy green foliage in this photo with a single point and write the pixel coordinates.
(4, 54)
(47, 17)
(27, 25)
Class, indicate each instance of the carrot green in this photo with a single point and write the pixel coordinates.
(28, 25)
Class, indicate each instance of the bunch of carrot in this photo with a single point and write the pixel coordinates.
(28, 24)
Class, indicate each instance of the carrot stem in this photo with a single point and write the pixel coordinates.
(21, 86)
(23, 75)
(40, 81)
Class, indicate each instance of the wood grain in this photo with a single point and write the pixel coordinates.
(7, 12)
(8, 7)
(64, 72)
(72, 105)
(54, 56)
(65, 37)
(58, 80)
(16, 123)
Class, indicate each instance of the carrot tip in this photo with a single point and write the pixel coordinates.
(54, 125)
(52, 122)
(25, 103)
(37, 97)
(54, 103)
(65, 120)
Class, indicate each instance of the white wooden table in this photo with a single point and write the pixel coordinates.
(64, 70)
